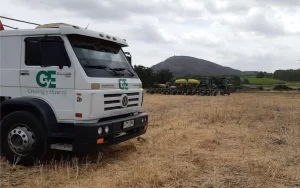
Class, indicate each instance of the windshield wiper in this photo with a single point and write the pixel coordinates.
(102, 67)
(122, 69)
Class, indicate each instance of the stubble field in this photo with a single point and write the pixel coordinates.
(242, 140)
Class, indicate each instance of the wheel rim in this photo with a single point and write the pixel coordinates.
(21, 140)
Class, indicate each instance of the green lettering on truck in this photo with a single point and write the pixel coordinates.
(45, 79)
(123, 84)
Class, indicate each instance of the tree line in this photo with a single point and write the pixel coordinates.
(149, 77)
(285, 75)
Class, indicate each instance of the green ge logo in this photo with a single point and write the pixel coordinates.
(123, 84)
(45, 79)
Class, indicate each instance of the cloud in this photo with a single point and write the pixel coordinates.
(218, 7)
(248, 34)
(202, 38)
(115, 10)
(151, 32)
(264, 60)
(280, 3)
(259, 22)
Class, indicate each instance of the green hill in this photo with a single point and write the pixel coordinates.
(185, 65)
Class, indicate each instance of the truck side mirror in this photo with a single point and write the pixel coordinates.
(128, 56)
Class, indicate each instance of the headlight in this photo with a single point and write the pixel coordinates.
(99, 130)
(144, 119)
(106, 129)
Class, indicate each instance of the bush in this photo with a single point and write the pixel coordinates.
(246, 81)
(282, 88)
(260, 88)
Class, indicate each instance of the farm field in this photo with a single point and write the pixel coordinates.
(263, 81)
(294, 85)
(241, 140)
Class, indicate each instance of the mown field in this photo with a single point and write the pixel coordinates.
(241, 140)
(294, 85)
(263, 81)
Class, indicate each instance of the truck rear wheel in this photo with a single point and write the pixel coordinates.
(24, 141)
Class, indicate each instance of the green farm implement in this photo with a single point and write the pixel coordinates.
(202, 87)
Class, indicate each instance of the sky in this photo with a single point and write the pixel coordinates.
(249, 35)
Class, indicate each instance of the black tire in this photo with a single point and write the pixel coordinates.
(40, 151)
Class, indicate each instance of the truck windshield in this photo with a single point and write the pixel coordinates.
(101, 58)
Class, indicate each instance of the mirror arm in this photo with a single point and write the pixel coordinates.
(128, 57)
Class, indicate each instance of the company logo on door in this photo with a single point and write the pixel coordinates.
(123, 84)
(46, 79)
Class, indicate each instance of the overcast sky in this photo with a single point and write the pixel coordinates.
(243, 34)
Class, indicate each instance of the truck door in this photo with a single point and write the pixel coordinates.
(46, 73)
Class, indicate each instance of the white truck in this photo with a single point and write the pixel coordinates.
(63, 87)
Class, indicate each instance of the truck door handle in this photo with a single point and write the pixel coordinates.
(24, 72)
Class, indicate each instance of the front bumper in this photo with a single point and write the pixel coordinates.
(86, 135)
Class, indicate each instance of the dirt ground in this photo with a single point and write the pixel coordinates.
(242, 140)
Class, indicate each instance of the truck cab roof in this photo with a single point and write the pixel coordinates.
(63, 29)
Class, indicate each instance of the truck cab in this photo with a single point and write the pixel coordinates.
(64, 87)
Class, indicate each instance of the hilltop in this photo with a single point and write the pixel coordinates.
(184, 65)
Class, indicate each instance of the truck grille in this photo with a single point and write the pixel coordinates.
(113, 101)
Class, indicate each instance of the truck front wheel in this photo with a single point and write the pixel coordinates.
(23, 138)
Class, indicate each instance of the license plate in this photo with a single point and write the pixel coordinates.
(128, 124)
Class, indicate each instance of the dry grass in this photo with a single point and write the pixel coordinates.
(242, 140)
